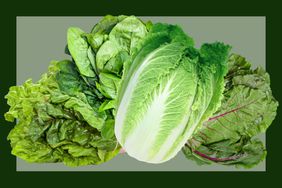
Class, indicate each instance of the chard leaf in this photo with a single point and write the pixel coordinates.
(247, 109)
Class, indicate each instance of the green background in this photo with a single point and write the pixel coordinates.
(270, 9)
(32, 62)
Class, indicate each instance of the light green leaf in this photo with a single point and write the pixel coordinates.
(78, 48)
(58, 119)
(159, 102)
(107, 104)
(108, 130)
(106, 24)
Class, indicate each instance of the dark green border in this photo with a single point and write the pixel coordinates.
(9, 176)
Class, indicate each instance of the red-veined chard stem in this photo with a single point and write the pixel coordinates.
(215, 159)
(228, 112)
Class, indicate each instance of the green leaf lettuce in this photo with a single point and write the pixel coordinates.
(59, 124)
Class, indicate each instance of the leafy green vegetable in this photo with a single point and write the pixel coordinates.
(110, 45)
(78, 48)
(167, 92)
(58, 120)
(65, 116)
(144, 87)
(248, 108)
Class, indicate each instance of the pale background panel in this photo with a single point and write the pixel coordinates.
(42, 39)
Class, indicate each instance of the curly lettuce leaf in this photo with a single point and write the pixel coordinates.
(58, 120)
(248, 108)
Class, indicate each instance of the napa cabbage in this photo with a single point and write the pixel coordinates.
(168, 91)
